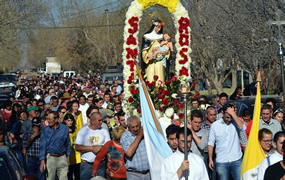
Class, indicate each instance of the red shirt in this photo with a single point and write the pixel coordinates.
(6, 117)
(115, 160)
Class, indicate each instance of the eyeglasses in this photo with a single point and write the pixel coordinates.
(267, 141)
(62, 111)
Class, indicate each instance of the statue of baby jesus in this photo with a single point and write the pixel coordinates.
(160, 51)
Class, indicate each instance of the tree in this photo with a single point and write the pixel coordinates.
(15, 17)
(232, 31)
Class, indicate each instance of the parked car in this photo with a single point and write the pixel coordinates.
(7, 78)
(68, 74)
(113, 73)
(10, 168)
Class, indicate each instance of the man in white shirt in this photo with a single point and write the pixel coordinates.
(174, 166)
(83, 106)
(224, 135)
(107, 99)
(279, 137)
(89, 142)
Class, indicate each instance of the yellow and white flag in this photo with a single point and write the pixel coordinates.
(254, 154)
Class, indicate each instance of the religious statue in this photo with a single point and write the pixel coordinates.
(154, 52)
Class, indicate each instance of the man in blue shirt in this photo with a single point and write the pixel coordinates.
(135, 150)
(224, 135)
(55, 148)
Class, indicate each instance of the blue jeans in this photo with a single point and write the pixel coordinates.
(212, 174)
(225, 169)
(86, 170)
(34, 168)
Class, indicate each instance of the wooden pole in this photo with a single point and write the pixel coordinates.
(148, 99)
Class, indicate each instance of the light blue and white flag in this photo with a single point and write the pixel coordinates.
(156, 145)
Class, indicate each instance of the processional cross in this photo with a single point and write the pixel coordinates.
(278, 23)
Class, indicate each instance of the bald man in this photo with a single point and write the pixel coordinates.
(89, 142)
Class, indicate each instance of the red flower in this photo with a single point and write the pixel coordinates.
(131, 53)
(192, 85)
(183, 71)
(133, 23)
(133, 91)
(174, 78)
(165, 93)
(154, 105)
(165, 102)
(194, 97)
(131, 63)
(130, 99)
(159, 96)
(122, 81)
(181, 106)
(177, 108)
(197, 93)
(147, 83)
(139, 110)
(183, 40)
(130, 81)
(176, 102)
(131, 40)
(161, 109)
(181, 115)
(172, 117)
(160, 90)
(151, 84)
(167, 83)
(155, 77)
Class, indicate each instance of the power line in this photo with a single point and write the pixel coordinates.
(70, 27)
(67, 16)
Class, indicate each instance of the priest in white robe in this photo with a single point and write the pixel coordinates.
(174, 166)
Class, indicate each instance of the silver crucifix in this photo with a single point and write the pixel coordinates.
(278, 23)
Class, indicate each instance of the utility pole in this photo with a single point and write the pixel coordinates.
(107, 19)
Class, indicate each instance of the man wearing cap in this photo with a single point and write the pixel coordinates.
(31, 141)
(27, 124)
(55, 148)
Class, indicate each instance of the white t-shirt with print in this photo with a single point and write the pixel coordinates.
(89, 137)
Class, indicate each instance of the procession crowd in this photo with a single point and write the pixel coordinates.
(74, 128)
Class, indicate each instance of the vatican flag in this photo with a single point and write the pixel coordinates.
(254, 154)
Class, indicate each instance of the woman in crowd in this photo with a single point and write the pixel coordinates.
(76, 114)
(14, 116)
(246, 117)
(44, 120)
(15, 134)
(89, 111)
(61, 111)
(114, 154)
(237, 94)
(7, 112)
(278, 115)
(98, 102)
(74, 159)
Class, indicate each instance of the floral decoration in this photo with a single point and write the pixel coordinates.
(164, 97)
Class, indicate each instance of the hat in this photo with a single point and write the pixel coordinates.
(32, 108)
(66, 95)
(36, 122)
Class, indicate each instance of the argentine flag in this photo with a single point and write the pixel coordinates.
(156, 145)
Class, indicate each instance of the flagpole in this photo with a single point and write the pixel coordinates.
(148, 99)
